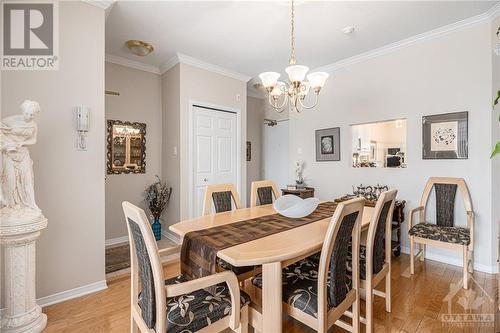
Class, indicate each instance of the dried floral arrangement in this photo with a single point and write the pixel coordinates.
(157, 197)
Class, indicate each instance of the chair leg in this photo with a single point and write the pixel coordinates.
(243, 321)
(412, 255)
(422, 254)
(133, 326)
(356, 313)
(471, 260)
(369, 307)
(466, 268)
(388, 299)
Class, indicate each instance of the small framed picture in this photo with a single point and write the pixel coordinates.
(249, 151)
(328, 144)
(444, 136)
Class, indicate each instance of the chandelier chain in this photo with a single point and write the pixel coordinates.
(292, 58)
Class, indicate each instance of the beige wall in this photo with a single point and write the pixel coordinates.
(495, 135)
(446, 74)
(171, 141)
(202, 86)
(139, 101)
(69, 184)
(255, 123)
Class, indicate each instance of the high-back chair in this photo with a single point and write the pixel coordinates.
(221, 195)
(443, 233)
(264, 191)
(375, 255)
(176, 304)
(318, 294)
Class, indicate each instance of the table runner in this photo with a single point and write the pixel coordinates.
(200, 247)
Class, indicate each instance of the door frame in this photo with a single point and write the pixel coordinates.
(191, 157)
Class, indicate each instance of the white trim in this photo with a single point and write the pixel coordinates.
(103, 4)
(72, 293)
(429, 35)
(185, 59)
(116, 241)
(494, 11)
(169, 64)
(454, 261)
(239, 164)
(171, 236)
(131, 63)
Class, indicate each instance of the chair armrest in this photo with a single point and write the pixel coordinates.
(208, 281)
(169, 250)
(413, 211)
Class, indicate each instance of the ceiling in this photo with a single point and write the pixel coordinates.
(253, 37)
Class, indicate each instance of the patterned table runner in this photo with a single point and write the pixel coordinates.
(199, 248)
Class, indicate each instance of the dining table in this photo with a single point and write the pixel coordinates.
(272, 252)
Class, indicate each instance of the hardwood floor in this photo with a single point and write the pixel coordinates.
(418, 303)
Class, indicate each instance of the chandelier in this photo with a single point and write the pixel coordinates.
(296, 89)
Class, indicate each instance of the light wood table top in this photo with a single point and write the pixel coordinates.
(277, 247)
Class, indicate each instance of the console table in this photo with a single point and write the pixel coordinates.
(307, 192)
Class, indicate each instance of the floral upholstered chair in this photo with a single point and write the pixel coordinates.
(222, 196)
(443, 233)
(375, 256)
(263, 190)
(318, 294)
(176, 305)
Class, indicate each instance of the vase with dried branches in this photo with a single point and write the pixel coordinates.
(157, 197)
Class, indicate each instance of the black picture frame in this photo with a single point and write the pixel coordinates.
(327, 144)
(445, 136)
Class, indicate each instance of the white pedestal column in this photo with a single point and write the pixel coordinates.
(21, 313)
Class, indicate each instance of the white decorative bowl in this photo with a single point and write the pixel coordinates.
(294, 207)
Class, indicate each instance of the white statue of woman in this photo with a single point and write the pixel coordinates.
(16, 134)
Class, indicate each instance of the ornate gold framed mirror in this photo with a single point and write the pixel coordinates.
(126, 147)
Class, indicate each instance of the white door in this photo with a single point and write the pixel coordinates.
(276, 162)
(215, 151)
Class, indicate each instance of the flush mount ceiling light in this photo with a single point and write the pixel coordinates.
(296, 89)
(139, 48)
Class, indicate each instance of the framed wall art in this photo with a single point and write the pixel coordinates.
(445, 136)
(328, 144)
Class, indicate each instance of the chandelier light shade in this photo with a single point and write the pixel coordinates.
(294, 92)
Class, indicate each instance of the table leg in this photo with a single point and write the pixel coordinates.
(271, 298)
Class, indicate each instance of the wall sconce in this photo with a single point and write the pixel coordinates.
(82, 126)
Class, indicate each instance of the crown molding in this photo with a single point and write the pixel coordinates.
(494, 11)
(132, 64)
(429, 35)
(188, 60)
(106, 5)
(169, 64)
(103, 4)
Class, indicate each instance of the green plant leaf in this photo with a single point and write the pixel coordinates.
(496, 150)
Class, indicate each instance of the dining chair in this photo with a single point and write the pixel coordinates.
(375, 256)
(443, 233)
(177, 305)
(318, 294)
(263, 190)
(221, 195)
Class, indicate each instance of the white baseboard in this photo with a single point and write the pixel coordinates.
(454, 261)
(171, 236)
(116, 241)
(72, 293)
